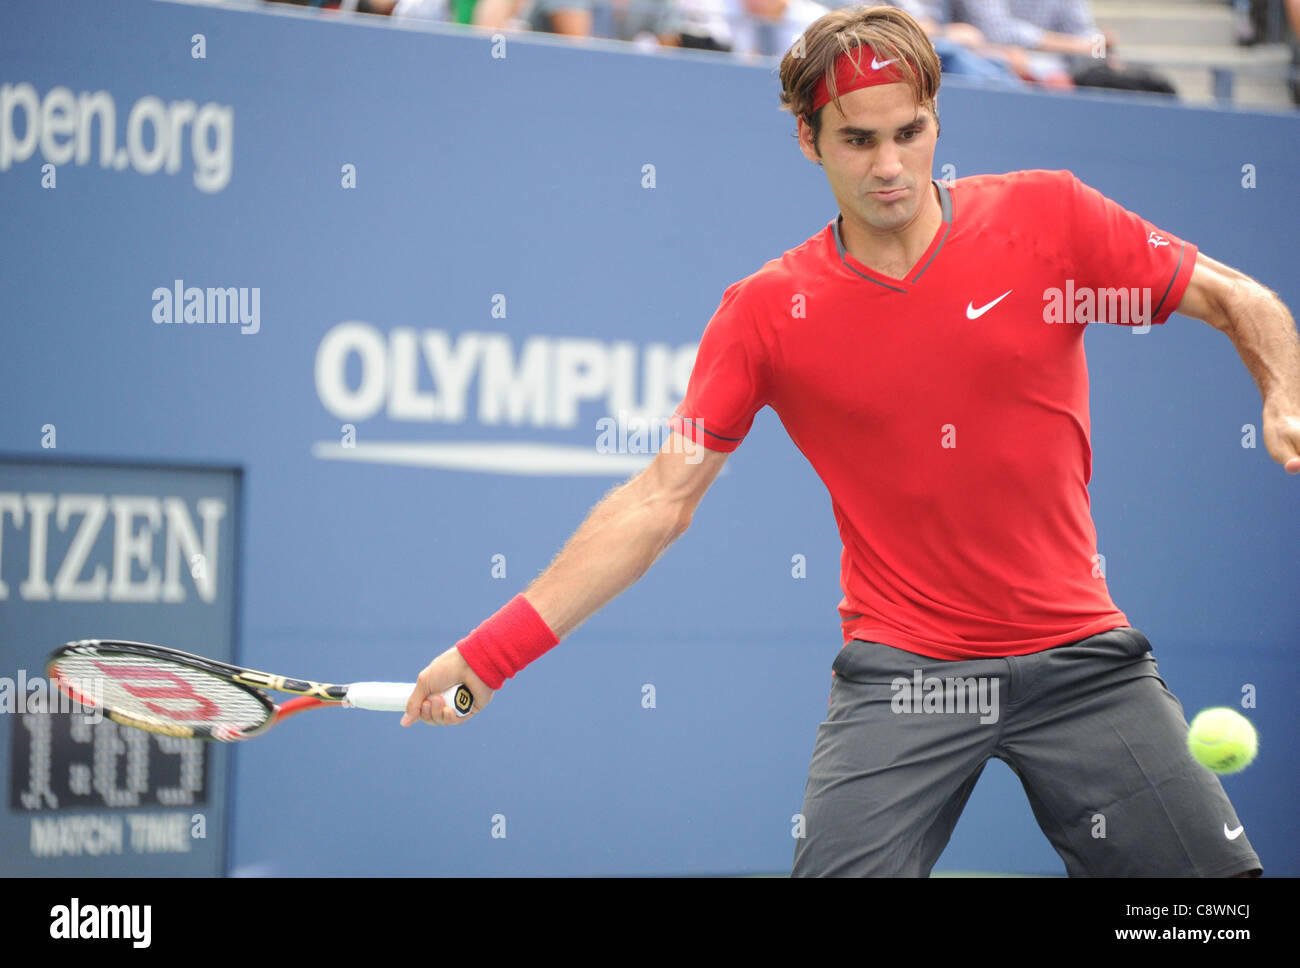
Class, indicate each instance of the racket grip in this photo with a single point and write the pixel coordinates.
(391, 696)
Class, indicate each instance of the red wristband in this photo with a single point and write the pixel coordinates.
(506, 642)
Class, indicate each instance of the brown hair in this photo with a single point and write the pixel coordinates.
(886, 30)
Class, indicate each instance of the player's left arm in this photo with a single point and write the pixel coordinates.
(1260, 326)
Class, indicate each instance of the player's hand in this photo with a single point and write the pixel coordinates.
(1282, 434)
(426, 703)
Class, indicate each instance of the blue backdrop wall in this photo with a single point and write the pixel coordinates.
(384, 194)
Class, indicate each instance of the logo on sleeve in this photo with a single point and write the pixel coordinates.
(1155, 241)
(1234, 833)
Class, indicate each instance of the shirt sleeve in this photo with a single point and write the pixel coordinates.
(1116, 251)
(729, 382)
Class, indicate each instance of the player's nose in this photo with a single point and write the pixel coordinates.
(888, 165)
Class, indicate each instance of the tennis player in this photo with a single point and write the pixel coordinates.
(925, 353)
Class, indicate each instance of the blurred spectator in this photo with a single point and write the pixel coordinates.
(770, 27)
(646, 22)
(452, 11)
(1052, 42)
(382, 7)
(641, 20)
(698, 24)
(749, 27)
(1293, 15)
(1250, 18)
(1068, 48)
(496, 13)
(962, 48)
(1055, 30)
(572, 18)
(421, 9)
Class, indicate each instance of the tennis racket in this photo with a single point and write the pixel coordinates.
(174, 693)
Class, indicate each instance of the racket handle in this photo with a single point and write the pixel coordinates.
(391, 696)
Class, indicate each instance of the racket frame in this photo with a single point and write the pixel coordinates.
(308, 693)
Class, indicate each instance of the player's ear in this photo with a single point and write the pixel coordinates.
(808, 139)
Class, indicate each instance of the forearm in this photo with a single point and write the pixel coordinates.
(620, 539)
(1264, 332)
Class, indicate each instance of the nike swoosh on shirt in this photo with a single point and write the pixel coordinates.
(973, 313)
(1232, 834)
(879, 66)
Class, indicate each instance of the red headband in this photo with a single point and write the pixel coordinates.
(849, 78)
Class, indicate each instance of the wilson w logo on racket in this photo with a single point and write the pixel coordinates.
(174, 693)
(149, 682)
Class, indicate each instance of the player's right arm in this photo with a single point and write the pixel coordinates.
(627, 531)
(621, 537)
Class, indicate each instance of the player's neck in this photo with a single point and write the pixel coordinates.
(894, 253)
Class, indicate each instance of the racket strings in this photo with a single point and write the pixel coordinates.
(165, 691)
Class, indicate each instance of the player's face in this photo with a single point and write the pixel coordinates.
(878, 155)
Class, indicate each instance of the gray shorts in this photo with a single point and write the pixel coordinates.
(1095, 736)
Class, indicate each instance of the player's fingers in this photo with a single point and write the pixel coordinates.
(429, 712)
(428, 702)
(1288, 457)
(449, 717)
(1291, 448)
(436, 711)
(1282, 438)
(419, 696)
(413, 703)
(446, 713)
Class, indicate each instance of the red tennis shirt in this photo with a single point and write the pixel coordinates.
(947, 411)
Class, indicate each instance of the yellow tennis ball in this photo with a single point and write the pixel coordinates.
(1222, 740)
